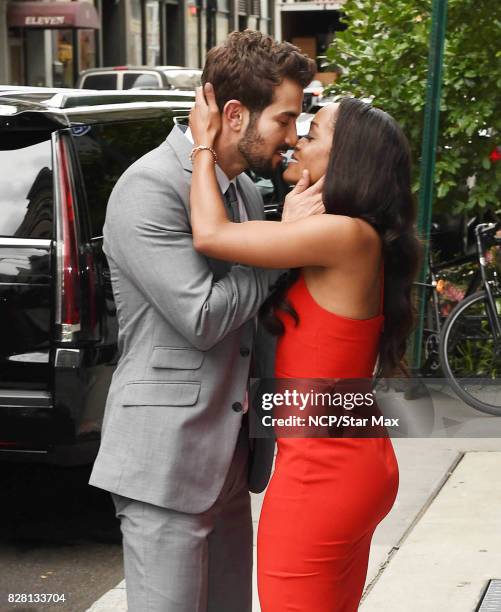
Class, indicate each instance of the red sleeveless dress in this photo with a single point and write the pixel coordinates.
(327, 495)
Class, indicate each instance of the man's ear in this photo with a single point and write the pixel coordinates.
(236, 115)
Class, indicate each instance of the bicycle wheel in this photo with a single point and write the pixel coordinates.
(470, 353)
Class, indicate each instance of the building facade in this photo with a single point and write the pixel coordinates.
(49, 43)
(311, 25)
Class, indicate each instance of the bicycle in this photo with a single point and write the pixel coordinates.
(466, 343)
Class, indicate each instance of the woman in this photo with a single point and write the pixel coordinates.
(327, 495)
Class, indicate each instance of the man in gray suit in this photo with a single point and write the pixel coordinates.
(175, 450)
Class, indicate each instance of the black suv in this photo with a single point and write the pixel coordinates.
(61, 153)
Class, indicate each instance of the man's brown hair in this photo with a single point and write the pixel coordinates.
(248, 65)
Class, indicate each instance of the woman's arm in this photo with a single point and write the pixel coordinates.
(315, 240)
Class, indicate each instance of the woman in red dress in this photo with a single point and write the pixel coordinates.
(347, 302)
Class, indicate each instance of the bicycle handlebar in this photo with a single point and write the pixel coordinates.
(486, 233)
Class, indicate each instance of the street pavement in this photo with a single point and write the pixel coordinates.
(441, 543)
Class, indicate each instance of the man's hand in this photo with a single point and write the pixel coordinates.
(304, 200)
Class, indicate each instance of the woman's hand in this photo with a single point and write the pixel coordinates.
(304, 200)
(205, 118)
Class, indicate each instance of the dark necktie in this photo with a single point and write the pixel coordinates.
(231, 203)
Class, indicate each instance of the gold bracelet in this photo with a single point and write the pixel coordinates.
(195, 150)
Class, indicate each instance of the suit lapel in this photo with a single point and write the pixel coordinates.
(252, 205)
(182, 149)
(181, 146)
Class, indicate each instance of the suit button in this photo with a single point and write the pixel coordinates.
(244, 351)
(237, 407)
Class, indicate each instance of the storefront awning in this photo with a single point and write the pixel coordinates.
(52, 15)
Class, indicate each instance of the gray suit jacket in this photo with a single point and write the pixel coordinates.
(170, 424)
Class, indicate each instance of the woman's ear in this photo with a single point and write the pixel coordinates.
(236, 115)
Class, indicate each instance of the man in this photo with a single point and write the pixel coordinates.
(175, 448)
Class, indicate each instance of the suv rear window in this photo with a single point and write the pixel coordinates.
(26, 189)
(136, 79)
(105, 151)
(186, 80)
(100, 81)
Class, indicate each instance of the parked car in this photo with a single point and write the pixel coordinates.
(312, 95)
(61, 153)
(176, 78)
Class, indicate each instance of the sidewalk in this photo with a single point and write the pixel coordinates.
(454, 549)
(441, 542)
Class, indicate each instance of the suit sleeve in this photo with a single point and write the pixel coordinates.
(147, 233)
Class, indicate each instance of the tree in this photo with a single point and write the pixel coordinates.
(383, 55)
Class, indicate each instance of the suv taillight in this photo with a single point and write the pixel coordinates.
(68, 268)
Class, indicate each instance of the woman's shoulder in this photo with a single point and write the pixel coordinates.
(356, 233)
(333, 239)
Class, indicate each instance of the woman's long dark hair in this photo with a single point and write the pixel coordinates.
(369, 177)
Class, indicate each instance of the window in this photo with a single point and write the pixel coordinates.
(186, 80)
(86, 49)
(100, 81)
(26, 189)
(106, 151)
(145, 80)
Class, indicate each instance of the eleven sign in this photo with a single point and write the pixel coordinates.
(52, 20)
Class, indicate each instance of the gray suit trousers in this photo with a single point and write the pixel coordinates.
(180, 562)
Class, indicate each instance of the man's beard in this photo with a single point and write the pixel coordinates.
(250, 148)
